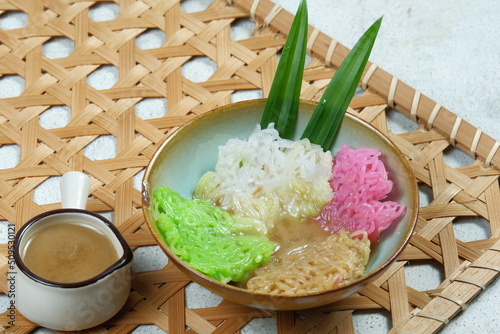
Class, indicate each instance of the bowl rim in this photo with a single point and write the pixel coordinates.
(345, 287)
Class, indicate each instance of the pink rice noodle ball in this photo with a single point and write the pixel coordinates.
(360, 183)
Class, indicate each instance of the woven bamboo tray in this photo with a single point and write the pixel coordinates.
(158, 296)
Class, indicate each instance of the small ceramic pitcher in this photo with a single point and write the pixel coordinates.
(76, 305)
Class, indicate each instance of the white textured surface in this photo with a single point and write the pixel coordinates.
(448, 50)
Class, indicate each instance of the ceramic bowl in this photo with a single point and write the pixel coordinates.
(76, 305)
(192, 150)
(79, 305)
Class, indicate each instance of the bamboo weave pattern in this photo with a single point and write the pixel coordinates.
(158, 296)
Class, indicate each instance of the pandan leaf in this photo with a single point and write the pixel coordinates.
(328, 115)
(283, 100)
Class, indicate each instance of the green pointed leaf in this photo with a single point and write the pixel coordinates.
(283, 100)
(328, 115)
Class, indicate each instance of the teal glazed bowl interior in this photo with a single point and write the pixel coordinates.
(193, 149)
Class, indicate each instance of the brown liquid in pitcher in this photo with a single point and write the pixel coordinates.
(68, 253)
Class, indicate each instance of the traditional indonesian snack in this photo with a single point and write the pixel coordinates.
(207, 238)
(267, 177)
(313, 267)
(277, 216)
(360, 184)
(280, 217)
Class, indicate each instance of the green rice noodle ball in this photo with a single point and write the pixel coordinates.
(207, 238)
